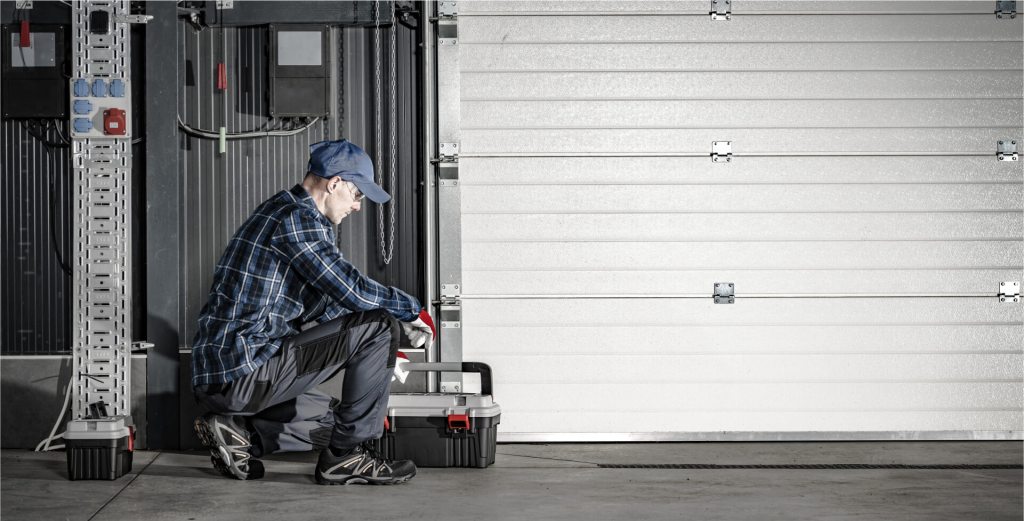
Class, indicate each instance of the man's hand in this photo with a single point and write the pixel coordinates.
(421, 331)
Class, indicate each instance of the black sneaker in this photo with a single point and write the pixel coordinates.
(361, 464)
(228, 442)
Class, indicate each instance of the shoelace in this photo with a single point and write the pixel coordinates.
(372, 451)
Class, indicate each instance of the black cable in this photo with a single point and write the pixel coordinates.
(53, 230)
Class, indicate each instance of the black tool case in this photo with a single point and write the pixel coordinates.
(99, 448)
(443, 430)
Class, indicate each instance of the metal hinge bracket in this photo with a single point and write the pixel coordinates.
(1006, 9)
(1006, 150)
(23, 4)
(721, 151)
(448, 9)
(721, 9)
(447, 26)
(225, 4)
(133, 18)
(1009, 292)
(724, 293)
(451, 305)
(448, 152)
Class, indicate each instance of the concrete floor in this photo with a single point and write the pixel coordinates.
(549, 482)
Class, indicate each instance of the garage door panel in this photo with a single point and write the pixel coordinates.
(654, 227)
(669, 369)
(760, 424)
(630, 29)
(739, 114)
(642, 312)
(525, 199)
(777, 282)
(745, 85)
(742, 56)
(747, 255)
(744, 141)
(500, 340)
(527, 7)
(767, 170)
(863, 218)
(694, 398)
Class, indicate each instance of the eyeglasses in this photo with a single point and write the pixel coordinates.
(356, 194)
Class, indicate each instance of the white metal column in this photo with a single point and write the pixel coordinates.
(101, 159)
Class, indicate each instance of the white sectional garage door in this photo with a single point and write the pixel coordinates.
(864, 218)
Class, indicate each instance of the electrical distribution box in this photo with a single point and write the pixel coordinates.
(33, 71)
(299, 73)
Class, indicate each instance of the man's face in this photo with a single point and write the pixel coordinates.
(342, 199)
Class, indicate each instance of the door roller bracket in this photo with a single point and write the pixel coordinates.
(1009, 292)
(1006, 9)
(1006, 150)
(724, 293)
(721, 151)
(721, 9)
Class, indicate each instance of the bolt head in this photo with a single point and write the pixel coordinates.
(1002, 299)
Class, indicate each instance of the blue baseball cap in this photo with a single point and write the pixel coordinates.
(345, 159)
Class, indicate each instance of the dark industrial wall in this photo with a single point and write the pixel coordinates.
(36, 190)
(220, 190)
(35, 224)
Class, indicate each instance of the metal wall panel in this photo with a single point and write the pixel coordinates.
(36, 292)
(864, 216)
(220, 190)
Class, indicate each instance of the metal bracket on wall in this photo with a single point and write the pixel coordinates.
(721, 9)
(1009, 292)
(1006, 9)
(1006, 150)
(721, 151)
(447, 23)
(724, 293)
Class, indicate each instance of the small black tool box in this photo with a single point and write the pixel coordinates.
(99, 448)
(443, 430)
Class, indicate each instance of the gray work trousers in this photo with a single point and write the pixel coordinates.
(281, 404)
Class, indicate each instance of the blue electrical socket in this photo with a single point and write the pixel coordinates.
(82, 106)
(99, 88)
(81, 88)
(117, 88)
(83, 125)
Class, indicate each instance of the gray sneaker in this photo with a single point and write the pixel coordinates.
(228, 442)
(362, 464)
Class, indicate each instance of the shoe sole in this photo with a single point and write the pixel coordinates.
(219, 451)
(360, 480)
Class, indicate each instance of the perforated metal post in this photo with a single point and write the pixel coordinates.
(101, 162)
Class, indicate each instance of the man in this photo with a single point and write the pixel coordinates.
(255, 369)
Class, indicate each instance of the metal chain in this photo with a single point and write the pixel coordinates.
(387, 246)
(393, 125)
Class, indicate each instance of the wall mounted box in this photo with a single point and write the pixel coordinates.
(298, 70)
(33, 80)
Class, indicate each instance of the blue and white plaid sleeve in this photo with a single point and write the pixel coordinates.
(305, 245)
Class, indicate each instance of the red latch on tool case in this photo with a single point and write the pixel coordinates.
(131, 438)
(114, 122)
(458, 421)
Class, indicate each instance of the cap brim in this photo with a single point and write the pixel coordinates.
(372, 191)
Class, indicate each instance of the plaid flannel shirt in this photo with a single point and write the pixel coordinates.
(281, 269)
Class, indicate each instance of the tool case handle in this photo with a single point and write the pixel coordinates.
(455, 367)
